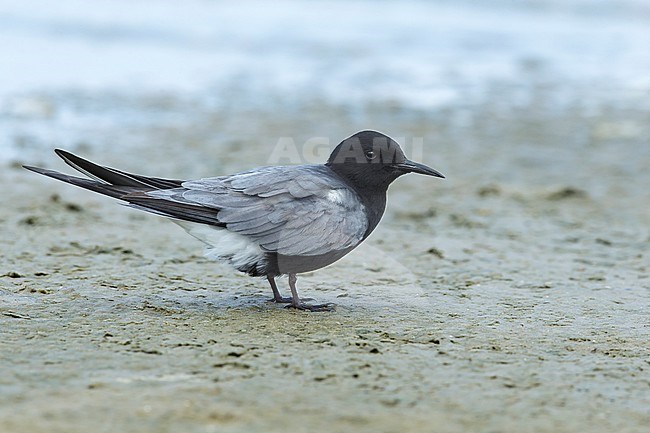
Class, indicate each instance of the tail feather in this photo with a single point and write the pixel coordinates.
(115, 191)
(171, 209)
(131, 188)
(114, 176)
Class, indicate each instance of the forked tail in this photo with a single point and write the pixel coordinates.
(131, 188)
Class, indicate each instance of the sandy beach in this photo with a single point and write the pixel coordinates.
(511, 297)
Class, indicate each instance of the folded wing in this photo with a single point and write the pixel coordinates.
(287, 210)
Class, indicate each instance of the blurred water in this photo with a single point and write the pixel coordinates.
(72, 63)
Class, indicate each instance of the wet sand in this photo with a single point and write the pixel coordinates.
(511, 297)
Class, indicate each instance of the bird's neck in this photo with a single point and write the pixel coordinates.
(371, 193)
(375, 205)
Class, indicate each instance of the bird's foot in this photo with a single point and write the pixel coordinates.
(287, 300)
(281, 300)
(309, 307)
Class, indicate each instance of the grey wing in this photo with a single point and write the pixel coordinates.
(294, 211)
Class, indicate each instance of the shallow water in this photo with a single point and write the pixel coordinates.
(73, 71)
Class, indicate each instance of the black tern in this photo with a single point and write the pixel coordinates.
(269, 221)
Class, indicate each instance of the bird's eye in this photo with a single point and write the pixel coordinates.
(371, 155)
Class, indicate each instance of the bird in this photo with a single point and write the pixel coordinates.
(269, 221)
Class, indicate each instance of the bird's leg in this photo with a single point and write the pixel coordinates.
(297, 303)
(276, 293)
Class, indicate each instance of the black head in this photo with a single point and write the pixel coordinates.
(372, 160)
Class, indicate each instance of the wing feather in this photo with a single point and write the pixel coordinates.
(284, 209)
